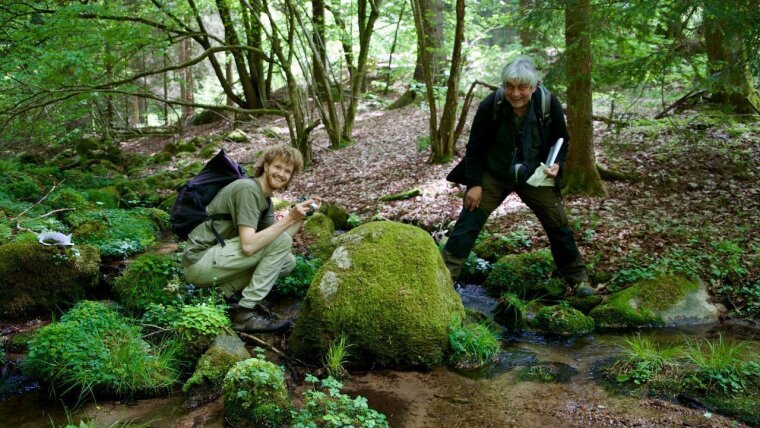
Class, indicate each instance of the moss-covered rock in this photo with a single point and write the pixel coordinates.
(527, 275)
(584, 304)
(337, 214)
(318, 232)
(205, 385)
(561, 320)
(666, 300)
(185, 147)
(237, 136)
(207, 152)
(35, 277)
(66, 197)
(19, 342)
(387, 289)
(255, 395)
(205, 117)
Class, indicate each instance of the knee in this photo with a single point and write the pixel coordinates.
(282, 242)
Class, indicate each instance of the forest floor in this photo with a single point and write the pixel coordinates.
(690, 183)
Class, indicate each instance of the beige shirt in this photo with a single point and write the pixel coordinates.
(244, 200)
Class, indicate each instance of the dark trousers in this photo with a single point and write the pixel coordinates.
(545, 203)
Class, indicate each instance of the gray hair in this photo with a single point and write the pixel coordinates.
(521, 70)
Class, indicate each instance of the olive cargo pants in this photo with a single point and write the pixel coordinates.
(232, 271)
(545, 203)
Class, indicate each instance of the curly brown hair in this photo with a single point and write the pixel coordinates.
(286, 153)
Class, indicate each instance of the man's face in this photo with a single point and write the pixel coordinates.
(518, 94)
(278, 174)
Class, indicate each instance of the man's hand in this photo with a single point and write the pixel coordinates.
(552, 171)
(299, 210)
(473, 197)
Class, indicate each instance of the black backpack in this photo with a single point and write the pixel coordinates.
(189, 210)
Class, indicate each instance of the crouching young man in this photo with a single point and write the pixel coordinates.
(256, 249)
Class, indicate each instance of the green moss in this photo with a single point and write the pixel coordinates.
(525, 275)
(584, 304)
(492, 247)
(104, 197)
(19, 342)
(255, 395)
(561, 320)
(213, 367)
(186, 147)
(386, 288)
(116, 232)
(319, 231)
(337, 214)
(66, 197)
(21, 186)
(44, 278)
(640, 304)
(209, 151)
(6, 233)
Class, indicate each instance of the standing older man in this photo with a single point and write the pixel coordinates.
(256, 249)
(508, 141)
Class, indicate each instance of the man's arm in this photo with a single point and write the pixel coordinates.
(252, 241)
(477, 145)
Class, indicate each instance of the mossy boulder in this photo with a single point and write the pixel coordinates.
(666, 300)
(35, 277)
(205, 385)
(561, 320)
(66, 197)
(318, 232)
(237, 136)
(337, 214)
(527, 275)
(204, 117)
(385, 287)
(255, 395)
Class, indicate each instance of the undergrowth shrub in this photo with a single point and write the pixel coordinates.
(296, 284)
(150, 278)
(255, 395)
(333, 409)
(722, 366)
(642, 359)
(473, 344)
(94, 351)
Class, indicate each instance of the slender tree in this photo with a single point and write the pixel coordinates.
(580, 172)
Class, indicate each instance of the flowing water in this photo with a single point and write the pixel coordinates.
(496, 396)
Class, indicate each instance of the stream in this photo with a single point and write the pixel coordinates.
(496, 396)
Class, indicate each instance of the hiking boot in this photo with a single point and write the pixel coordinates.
(582, 289)
(251, 321)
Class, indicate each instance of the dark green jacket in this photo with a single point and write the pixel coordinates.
(483, 134)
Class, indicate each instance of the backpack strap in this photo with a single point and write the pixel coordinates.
(545, 97)
(498, 99)
(216, 233)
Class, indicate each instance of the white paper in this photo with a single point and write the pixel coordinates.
(554, 151)
(539, 178)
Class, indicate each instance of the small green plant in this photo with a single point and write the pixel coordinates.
(642, 359)
(721, 365)
(333, 409)
(475, 270)
(423, 143)
(472, 344)
(93, 350)
(197, 326)
(255, 394)
(151, 278)
(354, 220)
(296, 284)
(337, 356)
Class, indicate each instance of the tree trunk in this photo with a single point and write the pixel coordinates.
(369, 11)
(580, 173)
(526, 36)
(727, 60)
